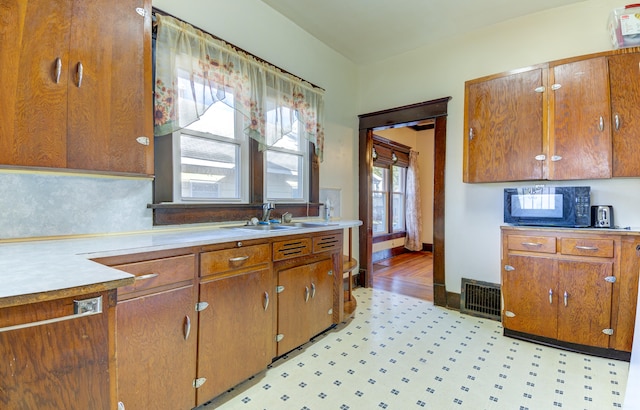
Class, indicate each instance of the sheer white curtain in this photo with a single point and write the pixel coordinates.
(193, 70)
(414, 218)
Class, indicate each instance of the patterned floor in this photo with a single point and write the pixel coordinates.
(403, 353)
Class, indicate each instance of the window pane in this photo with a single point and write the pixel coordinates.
(398, 213)
(284, 176)
(399, 179)
(218, 120)
(379, 179)
(379, 213)
(209, 168)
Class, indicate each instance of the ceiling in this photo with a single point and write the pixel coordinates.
(366, 31)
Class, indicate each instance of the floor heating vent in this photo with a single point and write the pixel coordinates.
(480, 299)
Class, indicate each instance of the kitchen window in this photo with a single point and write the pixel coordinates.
(232, 131)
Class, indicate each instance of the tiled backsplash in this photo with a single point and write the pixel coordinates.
(53, 204)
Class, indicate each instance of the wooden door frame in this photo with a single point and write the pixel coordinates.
(398, 117)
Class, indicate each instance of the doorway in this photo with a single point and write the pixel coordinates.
(398, 117)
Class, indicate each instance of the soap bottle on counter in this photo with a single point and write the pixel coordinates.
(327, 210)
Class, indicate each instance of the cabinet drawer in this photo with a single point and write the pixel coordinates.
(291, 248)
(587, 247)
(543, 244)
(236, 258)
(326, 243)
(158, 272)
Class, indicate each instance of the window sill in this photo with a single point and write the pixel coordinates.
(183, 213)
(388, 236)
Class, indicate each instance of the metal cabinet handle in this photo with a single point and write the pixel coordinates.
(80, 73)
(93, 307)
(266, 300)
(238, 259)
(601, 124)
(306, 293)
(566, 297)
(550, 296)
(470, 133)
(616, 119)
(535, 244)
(147, 276)
(556, 86)
(58, 69)
(313, 290)
(187, 327)
(587, 248)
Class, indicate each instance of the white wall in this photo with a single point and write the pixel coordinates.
(474, 211)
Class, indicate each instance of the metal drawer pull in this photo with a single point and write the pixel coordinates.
(80, 70)
(306, 293)
(587, 248)
(601, 124)
(147, 276)
(266, 300)
(616, 119)
(90, 307)
(238, 259)
(313, 290)
(550, 296)
(187, 327)
(566, 297)
(58, 69)
(536, 244)
(470, 134)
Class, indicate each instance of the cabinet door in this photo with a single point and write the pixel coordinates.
(504, 128)
(530, 296)
(111, 106)
(294, 308)
(58, 365)
(584, 309)
(236, 334)
(157, 350)
(624, 78)
(321, 299)
(580, 133)
(33, 103)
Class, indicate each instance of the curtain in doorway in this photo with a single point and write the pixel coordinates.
(413, 217)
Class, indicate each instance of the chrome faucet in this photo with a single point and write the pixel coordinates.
(267, 207)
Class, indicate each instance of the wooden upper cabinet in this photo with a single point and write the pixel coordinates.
(504, 127)
(78, 81)
(33, 102)
(579, 120)
(624, 74)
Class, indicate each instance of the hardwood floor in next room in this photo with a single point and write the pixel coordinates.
(409, 274)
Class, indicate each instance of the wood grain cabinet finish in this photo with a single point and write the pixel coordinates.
(504, 127)
(156, 333)
(76, 81)
(564, 120)
(55, 365)
(572, 295)
(624, 74)
(305, 303)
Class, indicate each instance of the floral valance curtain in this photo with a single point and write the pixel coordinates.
(195, 70)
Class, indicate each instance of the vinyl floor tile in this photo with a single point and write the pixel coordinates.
(399, 352)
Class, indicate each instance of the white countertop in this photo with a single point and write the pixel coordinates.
(39, 266)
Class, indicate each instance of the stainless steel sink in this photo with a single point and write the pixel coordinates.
(280, 227)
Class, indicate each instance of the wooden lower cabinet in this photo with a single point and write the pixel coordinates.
(156, 341)
(570, 288)
(55, 359)
(156, 331)
(236, 330)
(305, 303)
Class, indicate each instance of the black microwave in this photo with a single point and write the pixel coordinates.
(548, 206)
